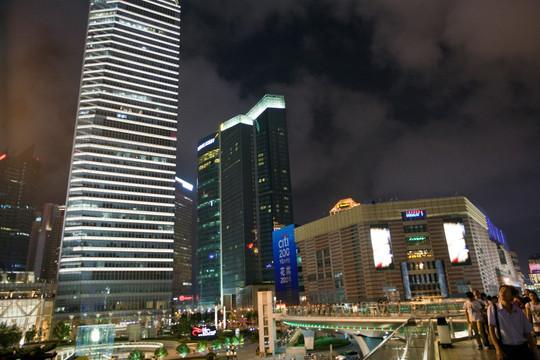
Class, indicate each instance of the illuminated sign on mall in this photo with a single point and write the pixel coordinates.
(413, 215)
(203, 332)
(382, 250)
(454, 231)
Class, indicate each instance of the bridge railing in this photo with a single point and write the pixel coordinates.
(374, 309)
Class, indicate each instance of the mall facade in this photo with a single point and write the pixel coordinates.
(428, 248)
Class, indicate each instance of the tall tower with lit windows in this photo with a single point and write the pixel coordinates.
(116, 259)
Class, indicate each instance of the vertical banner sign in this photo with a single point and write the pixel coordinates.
(454, 231)
(285, 265)
(406, 282)
(442, 278)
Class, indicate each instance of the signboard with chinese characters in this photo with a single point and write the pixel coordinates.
(285, 265)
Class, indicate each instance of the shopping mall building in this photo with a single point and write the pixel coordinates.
(428, 248)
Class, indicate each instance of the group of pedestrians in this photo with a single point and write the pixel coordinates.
(511, 323)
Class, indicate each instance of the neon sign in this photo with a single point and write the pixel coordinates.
(413, 214)
(203, 332)
(205, 144)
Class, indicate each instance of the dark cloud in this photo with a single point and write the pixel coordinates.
(386, 99)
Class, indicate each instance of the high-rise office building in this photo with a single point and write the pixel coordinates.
(117, 245)
(183, 229)
(208, 272)
(19, 175)
(252, 178)
(275, 208)
(45, 244)
(240, 260)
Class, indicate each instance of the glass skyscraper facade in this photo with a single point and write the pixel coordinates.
(117, 245)
(252, 185)
(208, 221)
(275, 207)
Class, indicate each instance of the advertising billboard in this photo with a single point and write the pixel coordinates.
(406, 282)
(382, 250)
(285, 265)
(203, 332)
(454, 231)
(413, 215)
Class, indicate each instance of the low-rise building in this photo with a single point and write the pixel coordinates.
(424, 248)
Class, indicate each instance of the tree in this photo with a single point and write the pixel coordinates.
(135, 355)
(217, 344)
(201, 347)
(61, 331)
(182, 350)
(9, 335)
(160, 353)
(30, 334)
(227, 342)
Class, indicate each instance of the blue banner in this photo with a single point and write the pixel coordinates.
(285, 265)
(442, 278)
(406, 282)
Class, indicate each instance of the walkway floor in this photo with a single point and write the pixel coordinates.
(466, 350)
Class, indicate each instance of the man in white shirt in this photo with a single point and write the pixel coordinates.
(509, 328)
(474, 313)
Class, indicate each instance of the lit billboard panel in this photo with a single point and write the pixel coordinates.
(285, 265)
(382, 250)
(413, 215)
(454, 231)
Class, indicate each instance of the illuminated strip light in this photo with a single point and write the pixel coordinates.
(90, 191)
(117, 239)
(166, 5)
(131, 151)
(172, 60)
(90, 71)
(127, 83)
(239, 119)
(89, 55)
(123, 60)
(101, 210)
(135, 92)
(103, 165)
(99, 248)
(85, 269)
(111, 229)
(119, 220)
(184, 184)
(87, 198)
(101, 100)
(268, 101)
(126, 184)
(116, 259)
(123, 158)
(106, 173)
(108, 139)
(148, 10)
(174, 42)
(91, 89)
(172, 57)
(143, 117)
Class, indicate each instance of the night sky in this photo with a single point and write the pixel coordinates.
(385, 99)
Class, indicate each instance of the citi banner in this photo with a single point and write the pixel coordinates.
(285, 266)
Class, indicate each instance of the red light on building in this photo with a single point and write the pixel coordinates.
(3, 156)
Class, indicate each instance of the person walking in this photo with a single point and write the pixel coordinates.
(510, 329)
(533, 313)
(475, 318)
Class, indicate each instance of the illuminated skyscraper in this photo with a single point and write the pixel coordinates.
(250, 182)
(19, 176)
(182, 276)
(208, 221)
(117, 246)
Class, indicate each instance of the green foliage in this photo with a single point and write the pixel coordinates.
(161, 353)
(201, 347)
(135, 355)
(30, 334)
(9, 335)
(237, 340)
(61, 331)
(324, 343)
(217, 344)
(227, 342)
(182, 350)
